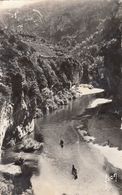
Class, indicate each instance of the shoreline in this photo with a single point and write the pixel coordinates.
(80, 91)
(111, 154)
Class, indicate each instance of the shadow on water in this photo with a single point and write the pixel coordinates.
(54, 165)
(62, 124)
(104, 124)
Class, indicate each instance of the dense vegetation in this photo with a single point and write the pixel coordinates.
(79, 42)
(46, 49)
(44, 52)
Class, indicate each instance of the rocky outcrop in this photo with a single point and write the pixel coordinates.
(29, 145)
(38, 73)
(5, 121)
(110, 51)
(6, 187)
(36, 85)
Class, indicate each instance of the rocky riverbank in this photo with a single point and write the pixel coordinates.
(39, 73)
(104, 135)
(28, 144)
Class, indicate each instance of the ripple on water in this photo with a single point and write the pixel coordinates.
(55, 165)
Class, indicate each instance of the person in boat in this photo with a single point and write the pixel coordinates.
(74, 172)
(61, 143)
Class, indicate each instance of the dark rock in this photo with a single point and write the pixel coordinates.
(29, 145)
(39, 113)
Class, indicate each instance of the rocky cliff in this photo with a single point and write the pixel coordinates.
(37, 80)
(39, 69)
(78, 43)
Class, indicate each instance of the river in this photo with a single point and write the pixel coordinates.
(56, 163)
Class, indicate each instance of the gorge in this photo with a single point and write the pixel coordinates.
(44, 56)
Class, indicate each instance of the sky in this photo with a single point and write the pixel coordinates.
(11, 4)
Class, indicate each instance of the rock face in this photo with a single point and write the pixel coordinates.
(5, 121)
(38, 74)
(34, 83)
(67, 47)
(111, 52)
(33, 79)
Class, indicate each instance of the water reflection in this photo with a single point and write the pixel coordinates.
(56, 163)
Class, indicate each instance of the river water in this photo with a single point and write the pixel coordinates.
(56, 163)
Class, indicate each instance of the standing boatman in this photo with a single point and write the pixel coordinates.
(74, 172)
(61, 143)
